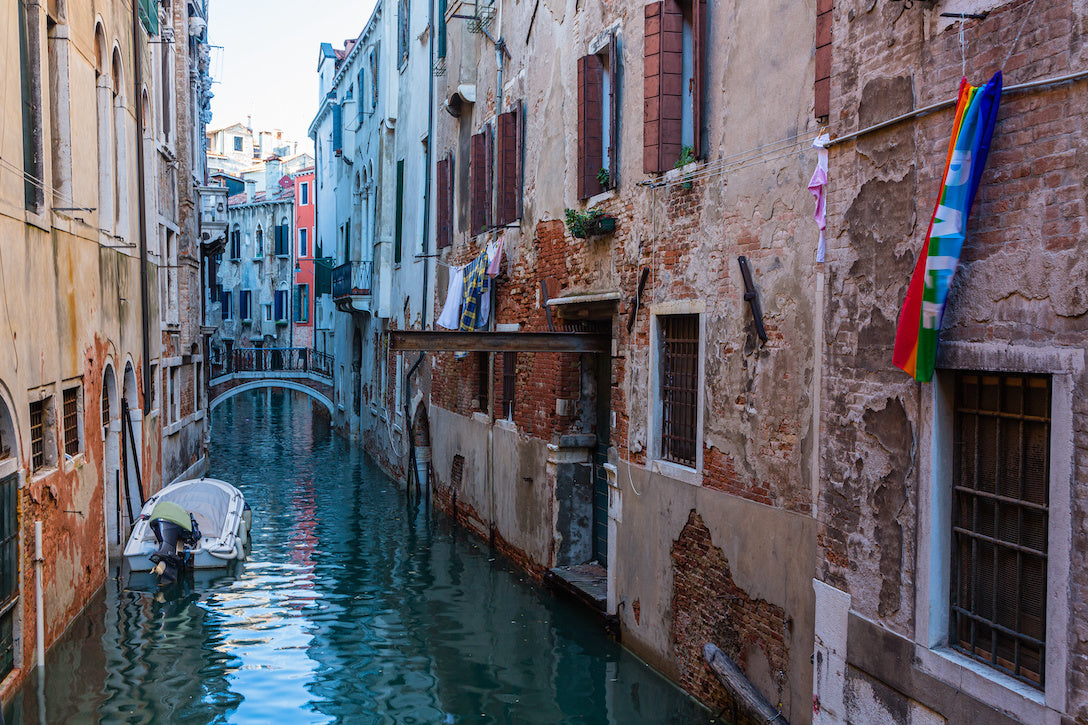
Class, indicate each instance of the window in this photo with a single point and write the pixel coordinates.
(173, 398)
(225, 305)
(402, 30)
(283, 237)
(678, 337)
(373, 62)
(303, 247)
(258, 247)
(237, 143)
(243, 305)
(822, 90)
(42, 445)
(9, 570)
(72, 443)
(674, 57)
(236, 243)
(153, 389)
(280, 299)
(105, 406)
(509, 181)
(268, 311)
(1000, 507)
(597, 112)
(31, 90)
(304, 193)
(444, 204)
(198, 391)
(398, 239)
(302, 303)
(337, 130)
(509, 377)
(480, 204)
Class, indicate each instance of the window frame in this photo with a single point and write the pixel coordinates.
(657, 462)
(70, 396)
(9, 599)
(935, 456)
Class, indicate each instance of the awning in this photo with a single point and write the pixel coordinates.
(435, 341)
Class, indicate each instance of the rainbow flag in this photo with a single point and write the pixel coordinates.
(920, 319)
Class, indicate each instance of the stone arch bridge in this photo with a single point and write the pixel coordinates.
(291, 368)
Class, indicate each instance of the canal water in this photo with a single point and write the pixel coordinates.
(354, 607)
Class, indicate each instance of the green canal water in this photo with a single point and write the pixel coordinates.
(354, 607)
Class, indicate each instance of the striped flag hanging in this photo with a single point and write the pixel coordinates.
(920, 318)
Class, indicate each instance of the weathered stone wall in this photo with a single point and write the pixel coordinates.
(1020, 285)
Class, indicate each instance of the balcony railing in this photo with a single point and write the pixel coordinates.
(273, 360)
(352, 278)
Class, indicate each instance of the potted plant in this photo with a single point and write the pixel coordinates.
(687, 156)
(583, 224)
(603, 177)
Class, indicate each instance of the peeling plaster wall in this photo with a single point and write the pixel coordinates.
(1020, 287)
(756, 436)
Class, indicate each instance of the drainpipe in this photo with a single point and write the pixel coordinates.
(138, 82)
(39, 561)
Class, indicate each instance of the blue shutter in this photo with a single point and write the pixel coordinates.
(337, 130)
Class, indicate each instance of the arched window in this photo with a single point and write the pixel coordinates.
(258, 250)
(104, 118)
(118, 162)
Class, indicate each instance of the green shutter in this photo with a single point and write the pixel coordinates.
(400, 213)
(149, 16)
(441, 28)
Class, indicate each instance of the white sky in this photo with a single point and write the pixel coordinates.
(267, 67)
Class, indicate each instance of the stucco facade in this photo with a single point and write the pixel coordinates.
(101, 262)
(890, 458)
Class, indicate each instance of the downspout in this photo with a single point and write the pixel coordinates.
(39, 561)
(138, 82)
(500, 49)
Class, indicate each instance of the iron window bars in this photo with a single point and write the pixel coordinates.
(71, 421)
(1000, 501)
(37, 434)
(679, 387)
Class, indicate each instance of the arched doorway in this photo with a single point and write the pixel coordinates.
(131, 431)
(111, 463)
(356, 377)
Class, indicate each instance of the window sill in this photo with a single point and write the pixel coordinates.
(982, 682)
(72, 463)
(677, 472)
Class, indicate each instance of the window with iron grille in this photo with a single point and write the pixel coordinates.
(9, 570)
(37, 433)
(679, 387)
(105, 407)
(235, 243)
(1000, 511)
(71, 421)
(509, 377)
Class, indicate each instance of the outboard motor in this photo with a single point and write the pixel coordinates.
(174, 529)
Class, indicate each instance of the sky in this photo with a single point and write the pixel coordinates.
(267, 65)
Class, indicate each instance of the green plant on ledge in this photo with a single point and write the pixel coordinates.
(603, 177)
(583, 224)
(687, 156)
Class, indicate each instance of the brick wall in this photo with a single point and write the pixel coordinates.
(709, 607)
(1021, 279)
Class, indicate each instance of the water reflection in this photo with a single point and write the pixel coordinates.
(354, 608)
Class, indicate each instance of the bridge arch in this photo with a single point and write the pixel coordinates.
(287, 384)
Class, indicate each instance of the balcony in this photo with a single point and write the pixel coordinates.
(351, 286)
(213, 219)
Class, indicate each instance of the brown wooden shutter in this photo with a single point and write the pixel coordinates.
(663, 85)
(480, 174)
(590, 115)
(509, 187)
(489, 177)
(822, 105)
(699, 51)
(444, 216)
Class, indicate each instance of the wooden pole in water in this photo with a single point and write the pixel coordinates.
(740, 687)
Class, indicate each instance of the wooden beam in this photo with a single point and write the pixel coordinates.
(498, 341)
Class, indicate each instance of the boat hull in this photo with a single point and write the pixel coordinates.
(221, 513)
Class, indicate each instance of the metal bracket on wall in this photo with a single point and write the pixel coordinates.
(751, 296)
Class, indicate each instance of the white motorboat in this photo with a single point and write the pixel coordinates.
(202, 523)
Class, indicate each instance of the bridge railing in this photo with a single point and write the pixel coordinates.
(273, 360)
